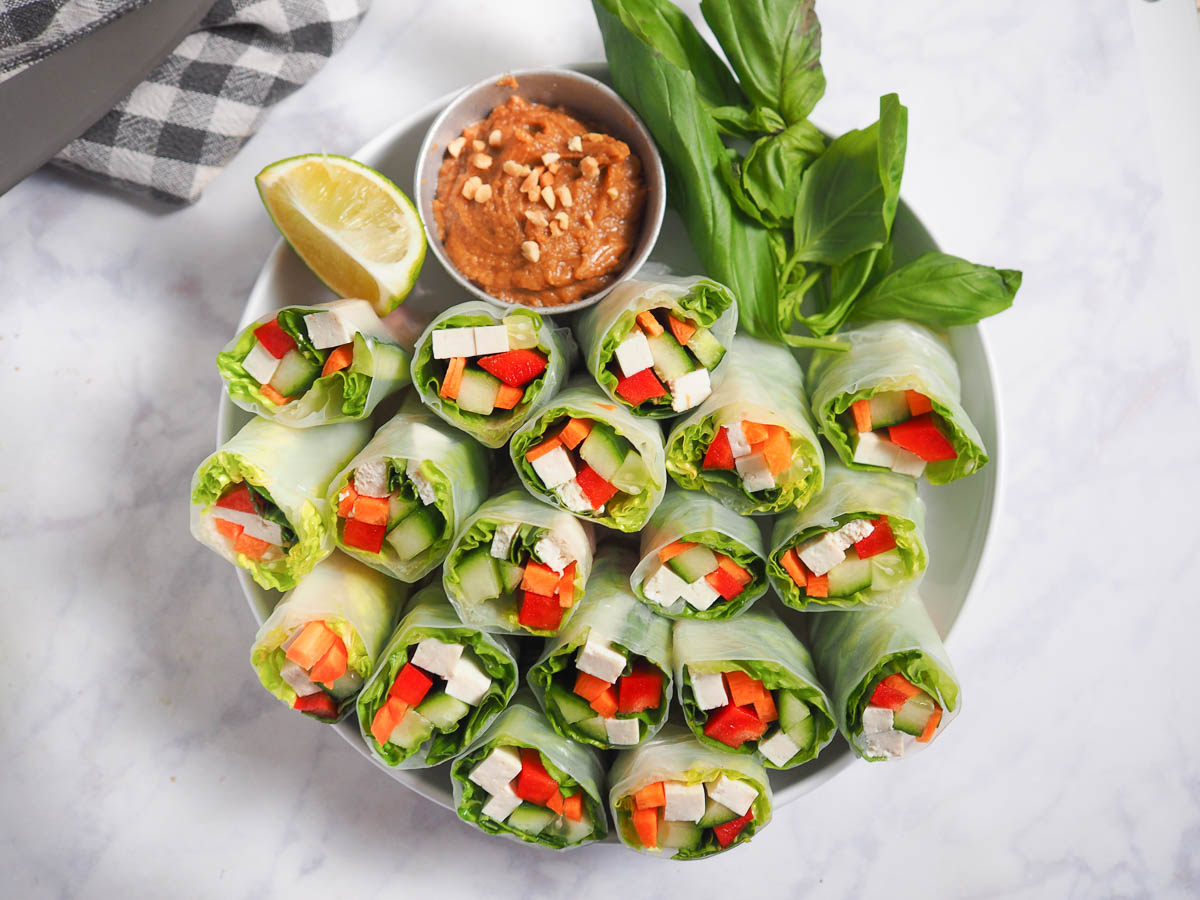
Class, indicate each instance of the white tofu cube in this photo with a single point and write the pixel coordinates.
(449, 342)
(664, 587)
(778, 748)
(297, 679)
(907, 463)
(821, 553)
(873, 450)
(437, 657)
(755, 472)
(503, 538)
(552, 551)
(690, 389)
(371, 478)
(328, 329)
(468, 682)
(701, 595)
(260, 364)
(737, 440)
(889, 744)
(500, 806)
(571, 495)
(500, 767)
(491, 339)
(877, 719)
(633, 353)
(737, 795)
(600, 659)
(709, 689)
(622, 731)
(253, 524)
(423, 485)
(853, 532)
(685, 802)
(554, 468)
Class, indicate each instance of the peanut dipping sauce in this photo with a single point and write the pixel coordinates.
(535, 207)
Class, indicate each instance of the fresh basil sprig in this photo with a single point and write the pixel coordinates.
(942, 290)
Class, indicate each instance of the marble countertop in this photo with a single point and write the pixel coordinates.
(142, 757)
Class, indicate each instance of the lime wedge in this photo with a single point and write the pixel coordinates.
(358, 232)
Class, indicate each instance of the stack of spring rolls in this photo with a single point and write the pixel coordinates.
(506, 623)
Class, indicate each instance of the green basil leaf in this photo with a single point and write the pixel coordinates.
(774, 47)
(848, 197)
(747, 123)
(773, 168)
(940, 289)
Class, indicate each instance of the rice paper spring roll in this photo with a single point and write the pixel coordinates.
(605, 680)
(519, 566)
(699, 559)
(438, 684)
(655, 344)
(484, 372)
(397, 504)
(259, 500)
(523, 780)
(860, 542)
(316, 649)
(893, 400)
(593, 458)
(749, 687)
(751, 444)
(676, 798)
(304, 366)
(892, 684)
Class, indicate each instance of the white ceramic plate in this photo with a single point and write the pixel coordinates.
(959, 515)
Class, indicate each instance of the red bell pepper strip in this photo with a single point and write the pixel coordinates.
(639, 387)
(539, 611)
(515, 368)
(920, 435)
(719, 454)
(362, 536)
(734, 725)
(319, 704)
(878, 541)
(274, 338)
(238, 498)
(723, 583)
(639, 690)
(596, 489)
(727, 833)
(534, 783)
(411, 685)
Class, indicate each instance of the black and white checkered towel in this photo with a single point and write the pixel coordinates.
(192, 114)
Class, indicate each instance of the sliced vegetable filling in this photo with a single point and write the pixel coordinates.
(315, 667)
(698, 574)
(433, 691)
(665, 360)
(489, 368)
(600, 699)
(756, 451)
(393, 502)
(525, 796)
(738, 710)
(844, 560)
(531, 566)
(897, 430)
(897, 714)
(676, 815)
(586, 464)
(251, 522)
(295, 349)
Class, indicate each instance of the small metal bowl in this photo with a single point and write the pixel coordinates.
(582, 95)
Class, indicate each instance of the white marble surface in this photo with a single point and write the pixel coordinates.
(143, 759)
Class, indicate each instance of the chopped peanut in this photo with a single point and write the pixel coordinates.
(562, 219)
(481, 161)
(455, 147)
(548, 196)
(589, 166)
(613, 192)
(471, 186)
(593, 136)
(548, 158)
(483, 193)
(564, 197)
(553, 168)
(536, 216)
(575, 144)
(531, 180)
(555, 230)
(512, 167)
(531, 251)
(588, 221)
(495, 137)
(478, 145)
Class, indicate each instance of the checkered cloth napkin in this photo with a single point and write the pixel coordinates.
(192, 114)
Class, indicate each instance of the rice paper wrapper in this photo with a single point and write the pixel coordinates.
(674, 754)
(601, 328)
(855, 650)
(492, 431)
(895, 355)
(849, 494)
(610, 613)
(514, 506)
(698, 517)
(358, 603)
(626, 512)
(457, 467)
(430, 615)
(345, 396)
(294, 467)
(764, 647)
(521, 724)
(762, 383)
